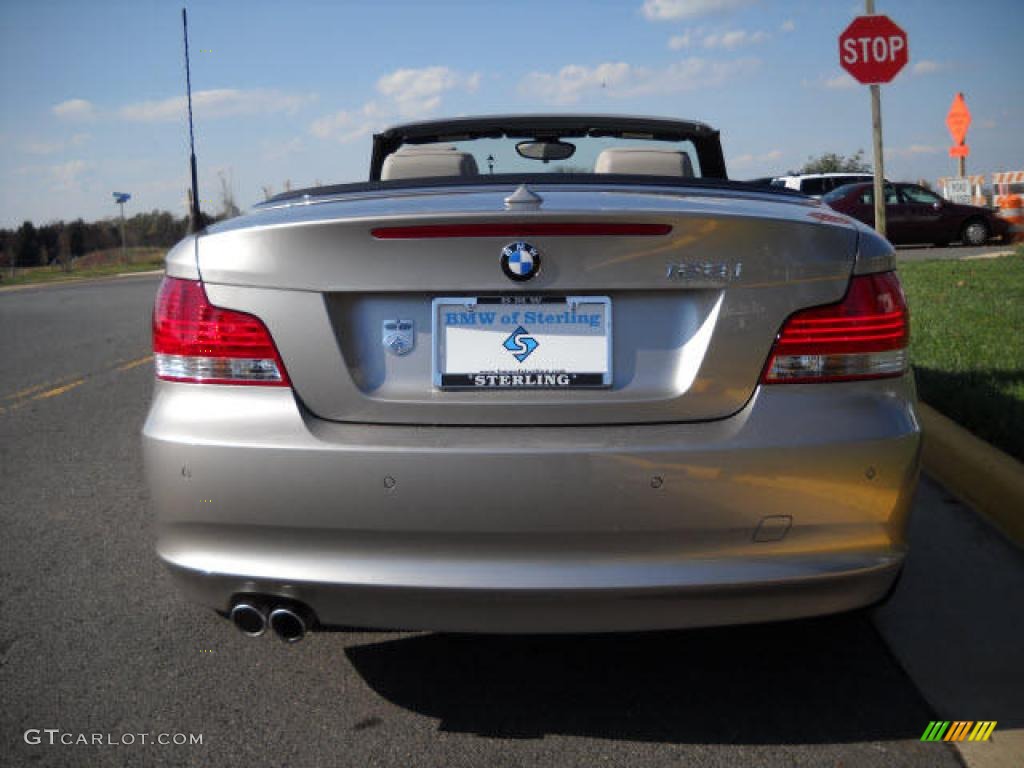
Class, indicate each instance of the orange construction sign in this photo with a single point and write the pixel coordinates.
(958, 119)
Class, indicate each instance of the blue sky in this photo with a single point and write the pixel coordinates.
(93, 91)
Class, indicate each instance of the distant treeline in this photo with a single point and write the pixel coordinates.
(30, 246)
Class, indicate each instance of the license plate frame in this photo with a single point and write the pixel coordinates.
(516, 374)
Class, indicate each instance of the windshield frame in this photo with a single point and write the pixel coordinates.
(704, 138)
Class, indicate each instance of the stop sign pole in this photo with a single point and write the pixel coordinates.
(876, 139)
(873, 50)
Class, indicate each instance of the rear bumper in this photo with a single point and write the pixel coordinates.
(702, 595)
(795, 506)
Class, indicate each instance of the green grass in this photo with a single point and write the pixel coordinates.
(967, 343)
(96, 264)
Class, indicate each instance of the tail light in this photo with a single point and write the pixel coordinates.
(864, 336)
(196, 341)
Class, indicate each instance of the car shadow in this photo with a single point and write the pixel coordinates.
(829, 680)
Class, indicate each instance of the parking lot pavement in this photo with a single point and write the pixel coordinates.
(95, 640)
(951, 252)
(956, 622)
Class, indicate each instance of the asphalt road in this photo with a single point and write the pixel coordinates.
(94, 639)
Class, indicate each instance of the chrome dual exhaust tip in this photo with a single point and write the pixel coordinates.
(289, 621)
(289, 624)
(249, 618)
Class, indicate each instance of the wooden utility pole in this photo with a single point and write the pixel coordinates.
(876, 130)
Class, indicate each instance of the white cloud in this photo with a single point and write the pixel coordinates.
(678, 42)
(621, 80)
(348, 125)
(281, 150)
(913, 149)
(44, 147)
(840, 82)
(66, 175)
(670, 10)
(404, 93)
(729, 39)
(217, 103)
(734, 38)
(926, 67)
(843, 81)
(74, 109)
(417, 92)
(788, 25)
(750, 160)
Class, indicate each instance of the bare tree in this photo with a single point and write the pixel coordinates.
(832, 162)
(227, 198)
(64, 249)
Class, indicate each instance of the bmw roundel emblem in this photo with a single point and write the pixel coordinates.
(520, 261)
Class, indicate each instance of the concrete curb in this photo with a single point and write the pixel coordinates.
(79, 280)
(996, 255)
(1002, 751)
(986, 478)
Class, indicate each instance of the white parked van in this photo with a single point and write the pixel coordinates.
(818, 184)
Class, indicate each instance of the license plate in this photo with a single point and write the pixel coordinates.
(522, 342)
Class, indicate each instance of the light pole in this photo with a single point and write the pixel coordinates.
(121, 198)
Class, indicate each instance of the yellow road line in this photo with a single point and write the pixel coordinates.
(16, 400)
(134, 363)
(29, 390)
(21, 397)
(57, 390)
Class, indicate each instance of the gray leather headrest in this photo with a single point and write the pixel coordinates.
(644, 161)
(417, 162)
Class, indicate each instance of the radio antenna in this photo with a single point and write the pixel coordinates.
(195, 215)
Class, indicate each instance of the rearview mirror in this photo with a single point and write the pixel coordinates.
(546, 150)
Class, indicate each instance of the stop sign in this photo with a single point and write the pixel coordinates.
(873, 49)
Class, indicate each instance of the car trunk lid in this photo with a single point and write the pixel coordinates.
(698, 283)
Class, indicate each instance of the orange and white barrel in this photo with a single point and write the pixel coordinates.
(1003, 183)
(1011, 208)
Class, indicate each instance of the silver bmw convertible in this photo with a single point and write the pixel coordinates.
(540, 373)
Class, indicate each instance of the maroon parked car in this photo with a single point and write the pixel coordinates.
(916, 215)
